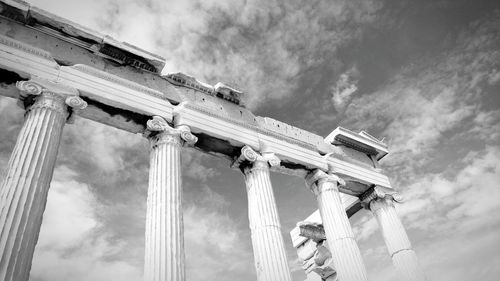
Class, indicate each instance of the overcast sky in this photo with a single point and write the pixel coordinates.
(425, 75)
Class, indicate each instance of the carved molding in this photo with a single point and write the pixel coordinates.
(4, 40)
(379, 192)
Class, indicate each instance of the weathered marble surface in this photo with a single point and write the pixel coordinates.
(127, 92)
(123, 87)
(345, 252)
(381, 202)
(23, 193)
(268, 247)
(164, 250)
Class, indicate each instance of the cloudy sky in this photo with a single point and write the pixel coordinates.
(425, 75)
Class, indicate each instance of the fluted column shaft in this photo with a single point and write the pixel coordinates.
(345, 251)
(164, 250)
(268, 247)
(23, 193)
(396, 239)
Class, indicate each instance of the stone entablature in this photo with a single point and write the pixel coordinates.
(101, 45)
(146, 94)
(300, 151)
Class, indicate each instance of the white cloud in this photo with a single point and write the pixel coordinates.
(439, 204)
(195, 165)
(450, 221)
(265, 46)
(487, 126)
(214, 246)
(427, 101)
(69, 247)
(11, 121)
(365, 226)
(68, 216)
(100, 144)
(85, 13)
(494, 77)
(260, 46)
(443, 140)
(86, 264)
(344, 89)
(75, 245)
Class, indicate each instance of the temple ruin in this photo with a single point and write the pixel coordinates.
(57, 70)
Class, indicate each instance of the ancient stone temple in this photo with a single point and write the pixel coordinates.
(58, 70)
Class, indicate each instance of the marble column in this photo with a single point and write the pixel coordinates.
(268, 247)
(345, 251)
(23, 193)
(381, 202)
(164, 250)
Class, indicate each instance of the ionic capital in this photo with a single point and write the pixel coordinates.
(158, 124)
(49, 95)
(316, 179)
(29, 88)
(186, 135)
(159, 131)
(263, 160)
(379, 193)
